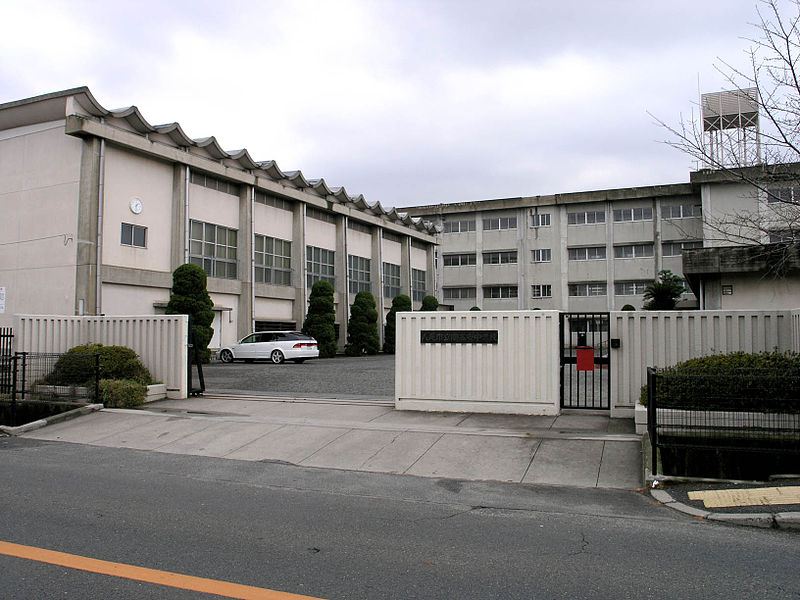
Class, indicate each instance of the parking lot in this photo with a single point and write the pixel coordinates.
(340, 377)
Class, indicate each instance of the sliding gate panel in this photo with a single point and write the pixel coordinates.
(585, 372)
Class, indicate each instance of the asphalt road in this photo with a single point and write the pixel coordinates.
(341, 535)
(341, 377)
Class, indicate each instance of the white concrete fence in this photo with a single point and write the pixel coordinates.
(161, 341)
(520, 374)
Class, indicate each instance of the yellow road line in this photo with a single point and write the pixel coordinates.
(748, 496)
(176, 580)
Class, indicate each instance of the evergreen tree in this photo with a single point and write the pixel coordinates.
(401, 303)
(190, 297)
(663, 293)
(429, 303)
(321, 318)
(362, 328)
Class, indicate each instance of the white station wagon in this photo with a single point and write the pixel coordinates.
(275, 346)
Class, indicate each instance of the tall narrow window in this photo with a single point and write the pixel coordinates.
(418, 284)
(273, 260)
(213, 247)
(319, 265)
(391, 280)
(359, 270)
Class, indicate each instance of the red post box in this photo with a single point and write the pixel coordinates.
(585, 358)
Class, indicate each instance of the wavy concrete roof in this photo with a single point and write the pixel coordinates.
(269, 169)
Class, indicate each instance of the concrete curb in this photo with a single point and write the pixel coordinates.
(65, 416)
(783, 520)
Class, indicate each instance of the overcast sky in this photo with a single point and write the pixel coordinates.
(407, 102)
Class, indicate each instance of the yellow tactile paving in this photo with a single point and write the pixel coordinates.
(748, 497)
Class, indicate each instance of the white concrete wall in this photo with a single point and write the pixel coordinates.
(320, 235)
(211, 206)
(662, 339)
(273, 222)
(519, 375)
(39, 180)
(359, 243)
(160, 341)
(129, 175)
(132, 299)
(751, 290)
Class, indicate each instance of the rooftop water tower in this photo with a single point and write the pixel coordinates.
(731, 128)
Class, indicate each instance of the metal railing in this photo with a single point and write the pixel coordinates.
(6, 342)
(749, 411)
(49, 376)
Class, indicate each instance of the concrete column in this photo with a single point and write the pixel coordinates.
(86, 246)
(244, 251)
(405, 266)
(430, 272)
(299, 279)
(610, 262)
(342, 275)
(523, 258)
(376, 275)
(563, 258)
(479, 259)
(179, 241)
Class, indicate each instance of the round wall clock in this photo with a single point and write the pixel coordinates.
(136, 206)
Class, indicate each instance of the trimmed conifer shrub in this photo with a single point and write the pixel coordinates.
(321, 317)
(189, 296)
(400, 303)
(362, 328)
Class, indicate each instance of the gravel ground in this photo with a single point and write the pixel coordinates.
(340, 377)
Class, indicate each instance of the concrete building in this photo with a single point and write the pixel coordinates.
(598, 250)
(583, 251)
(99, 207)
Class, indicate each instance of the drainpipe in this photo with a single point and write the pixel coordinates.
(702, 296)
(252, 232)
(99, 241)
(186, 216)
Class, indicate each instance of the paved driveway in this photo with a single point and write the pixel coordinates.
(340, 377)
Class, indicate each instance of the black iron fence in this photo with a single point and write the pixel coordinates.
(6, 341)
(739, 412)
(47, 376)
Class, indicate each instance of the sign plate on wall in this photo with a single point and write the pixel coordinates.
(458, 336)
(2, 300)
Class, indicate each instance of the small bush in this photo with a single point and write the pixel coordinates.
(629, 307)
(764, 382)
(475, 308)
(76, 367)
(122, 393)
(429, 303)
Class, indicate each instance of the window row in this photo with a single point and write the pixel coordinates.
(545, 290)
(210, 182)
(543, 255)
(489, 224)
(274, 201)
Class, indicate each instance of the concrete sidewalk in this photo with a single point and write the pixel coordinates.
(572, 449)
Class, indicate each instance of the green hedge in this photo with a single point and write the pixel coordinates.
(75, 367)
(122, 393)
(763, 382)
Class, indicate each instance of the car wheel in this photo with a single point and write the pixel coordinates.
(276, 357)
(226, 356)
(299, 361)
